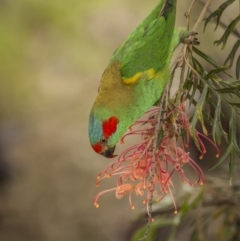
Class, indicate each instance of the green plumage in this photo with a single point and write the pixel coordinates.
(136, 76)
(149, 45)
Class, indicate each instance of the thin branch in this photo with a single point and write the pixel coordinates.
(195, 28)
(187, 14)
(202, 15)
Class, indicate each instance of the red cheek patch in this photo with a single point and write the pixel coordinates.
(109, 126)
(97, 148)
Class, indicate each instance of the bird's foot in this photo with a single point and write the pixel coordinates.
(190, 38)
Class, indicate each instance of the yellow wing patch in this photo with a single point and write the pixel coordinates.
(149, 75)
(132, 80)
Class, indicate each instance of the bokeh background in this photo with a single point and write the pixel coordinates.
(52, 55)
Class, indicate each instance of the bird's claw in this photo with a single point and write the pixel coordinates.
(191, 39)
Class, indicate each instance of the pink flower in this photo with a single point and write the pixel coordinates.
(144, 171)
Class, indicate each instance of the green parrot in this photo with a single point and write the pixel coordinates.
(135, 77)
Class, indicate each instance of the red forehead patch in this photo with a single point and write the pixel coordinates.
(97, 148)
(109, 126)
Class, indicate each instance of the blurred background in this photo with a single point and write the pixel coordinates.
(52, 55)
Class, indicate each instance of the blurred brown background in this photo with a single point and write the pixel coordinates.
(52, 55)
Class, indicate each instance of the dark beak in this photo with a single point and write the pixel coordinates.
(109, 152)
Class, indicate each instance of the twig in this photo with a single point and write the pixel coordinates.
(187, 14)
(202, 15)
(196, 26)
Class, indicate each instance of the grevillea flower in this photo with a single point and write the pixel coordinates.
(147, 171)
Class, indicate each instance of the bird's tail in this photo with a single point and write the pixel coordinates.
(168, 6)
(168, 11)
(164, 8)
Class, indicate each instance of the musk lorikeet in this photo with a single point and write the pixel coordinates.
(135, 77)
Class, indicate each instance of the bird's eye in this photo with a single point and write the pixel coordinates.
(103, 140)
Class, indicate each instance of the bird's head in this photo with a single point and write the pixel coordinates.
(102, 133)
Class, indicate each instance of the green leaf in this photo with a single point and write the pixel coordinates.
(223, 157)
(234, 130)
(228, 31)
(232, 144)
(206, 57)
(158, 223)
(231, 166)
(230, 90)
(212, 73)
(229, 98)
(217, 130)
(196, 200)
(209, 60)
(194, 235)
(218, 13)
(197, 66)
(198, 116)
(238, 68)
(177, 220)
(231, 55)
(233, 126)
